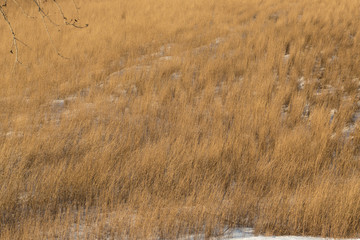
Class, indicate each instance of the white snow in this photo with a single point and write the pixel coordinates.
(176, 76)
(332, 115)
(166, 58)
(58, 104)
(247, 234)
(286, 57)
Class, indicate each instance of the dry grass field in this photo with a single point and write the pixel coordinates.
(174, 118)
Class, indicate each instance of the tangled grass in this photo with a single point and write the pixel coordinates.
(177, 118)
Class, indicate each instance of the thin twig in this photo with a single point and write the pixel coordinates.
(22, 10)
(50, 38)
(76, 7)
(43, 14)
(23, 43)
(60, 10)
(13, 35)
(72, 22)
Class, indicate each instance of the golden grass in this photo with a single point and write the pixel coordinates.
(182, 117)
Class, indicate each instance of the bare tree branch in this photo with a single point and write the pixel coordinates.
(74, 22)
(50, 38)
(43, 14)
(12, 33)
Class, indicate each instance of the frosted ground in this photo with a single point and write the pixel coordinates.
(247, 234)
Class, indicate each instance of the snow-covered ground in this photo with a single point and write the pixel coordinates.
(247, 234)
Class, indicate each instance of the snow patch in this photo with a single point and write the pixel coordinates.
(301, 83)
(247, 234)
(332, 115)
(176, 76)
(286, 57)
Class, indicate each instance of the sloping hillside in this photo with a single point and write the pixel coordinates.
(170, 118)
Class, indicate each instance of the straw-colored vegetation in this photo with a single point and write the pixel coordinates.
(180, 117)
